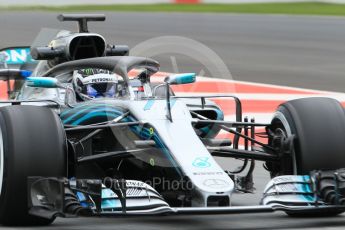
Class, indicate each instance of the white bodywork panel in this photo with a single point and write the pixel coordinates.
(186, 147)
(289, 190)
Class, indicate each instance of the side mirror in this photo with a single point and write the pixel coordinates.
(50, 82)
(179, 79)
(42, 82)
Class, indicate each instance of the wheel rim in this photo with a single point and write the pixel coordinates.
(280, 116)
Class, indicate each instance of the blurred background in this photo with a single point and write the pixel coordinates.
(285, 42)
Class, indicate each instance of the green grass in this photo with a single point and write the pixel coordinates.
(304, 8)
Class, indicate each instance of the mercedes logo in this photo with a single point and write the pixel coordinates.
(216, 183)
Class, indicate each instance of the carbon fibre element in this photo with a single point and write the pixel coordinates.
(330, 186)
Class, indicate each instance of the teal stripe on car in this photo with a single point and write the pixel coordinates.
(207, 129)
(101, 110)
(144, 133)
(69, 119)
(92, 115)
(73, 111)
(149, 104)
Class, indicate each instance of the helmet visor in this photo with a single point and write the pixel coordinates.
(100, 90)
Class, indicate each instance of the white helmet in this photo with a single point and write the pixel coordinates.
(93, 83)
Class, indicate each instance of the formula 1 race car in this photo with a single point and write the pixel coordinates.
(86, 133)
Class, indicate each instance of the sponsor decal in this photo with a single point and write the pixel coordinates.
(3, 57)
(98, 80)
(152, 162)
(201, 162)
(17, 56)
(208, 173)
(151, 131)
(88, 71)
(135, 184)
(215, 183)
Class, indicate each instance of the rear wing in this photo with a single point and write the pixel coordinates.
(16, 63)
(16, 57)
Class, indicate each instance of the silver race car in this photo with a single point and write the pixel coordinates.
(85, 132)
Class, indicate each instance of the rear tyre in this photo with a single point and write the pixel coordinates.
(32, 143)
(318, 125)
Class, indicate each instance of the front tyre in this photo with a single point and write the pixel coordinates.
(318, 125)
(32, 143)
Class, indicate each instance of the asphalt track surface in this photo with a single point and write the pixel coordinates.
(299, 51)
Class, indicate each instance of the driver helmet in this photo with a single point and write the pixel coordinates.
(95, 83)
